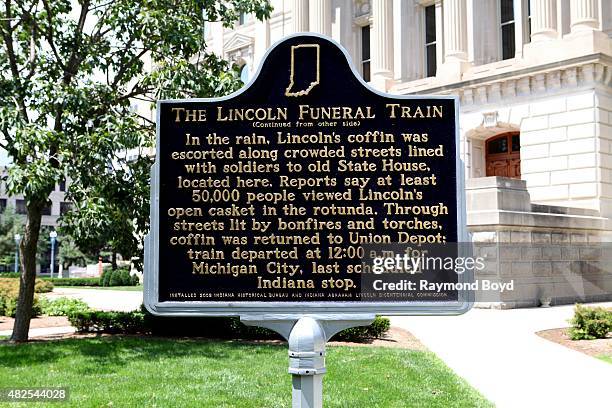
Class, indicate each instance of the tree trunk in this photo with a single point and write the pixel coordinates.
(28, 272)
(113, 260)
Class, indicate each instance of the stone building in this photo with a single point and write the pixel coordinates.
(56, 206)
(534, 78)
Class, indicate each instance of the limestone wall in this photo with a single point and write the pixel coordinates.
(565, 124)
(560, 253)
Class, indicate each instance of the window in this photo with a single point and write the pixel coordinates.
(365, 52)
(2, 205)
(62, 185)
(20, 207)
(528, 39)
(507, 28)
(503, 155)
(65, 207)
(430, 41)
(242, 18)
(46, 209)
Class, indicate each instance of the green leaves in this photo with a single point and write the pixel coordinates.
(74, 73)
(32, 173)
(590, 323)
(208, 77)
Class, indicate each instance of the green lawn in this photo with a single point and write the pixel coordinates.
(129, 288)
(605, 357)
(152, 372)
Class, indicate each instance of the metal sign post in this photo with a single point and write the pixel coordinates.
(307, 337)
(274, 203)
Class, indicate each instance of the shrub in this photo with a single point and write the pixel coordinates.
(115, 278)
(63, 306)
(135, 280)
(10, 275)
(109, 322)
(209, 327)
(9, 293)
(43, 286)
(40, 286)
(105, 278)
(126, 279)
(377, 329)
(590, 323)
(73, 281)
(118, 277)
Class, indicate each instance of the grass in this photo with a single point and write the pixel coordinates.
(605, 357)
(127, 288)
(135, 372)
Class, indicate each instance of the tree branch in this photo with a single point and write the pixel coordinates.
(74, 61)
(124, 67)
(69, 73)
(99, 6)
(97, 33)
(145, 118)
(32, 58)
(10, 51)
(49, 35)
(8, 138)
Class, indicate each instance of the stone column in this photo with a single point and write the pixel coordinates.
(543, 20)
(216, 33)
(299, 15)
(520, 32)
(262, 41)
(406, 41)
(382, 43)
(455, 44)
(455, 30)
(320, 16)
(584, 15)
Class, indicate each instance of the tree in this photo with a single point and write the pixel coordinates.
(69, 253)
(72, 70)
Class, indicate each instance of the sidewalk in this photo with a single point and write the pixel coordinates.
(498, 352)
(43, 331)
(109, 300)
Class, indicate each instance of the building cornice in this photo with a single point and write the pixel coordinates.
(589, 70)
(598, 58)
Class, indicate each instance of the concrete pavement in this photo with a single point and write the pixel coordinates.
(99, 299)
(43, 331)
(109, 300)
(498, 352)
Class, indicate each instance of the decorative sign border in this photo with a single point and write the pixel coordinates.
(291, 309)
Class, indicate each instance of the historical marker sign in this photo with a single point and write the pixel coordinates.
(276, 198)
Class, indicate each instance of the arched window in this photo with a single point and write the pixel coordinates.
(503, 155)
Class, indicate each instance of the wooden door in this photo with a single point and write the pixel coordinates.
(503, 155)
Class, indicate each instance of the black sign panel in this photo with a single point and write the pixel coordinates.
(286, 190)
